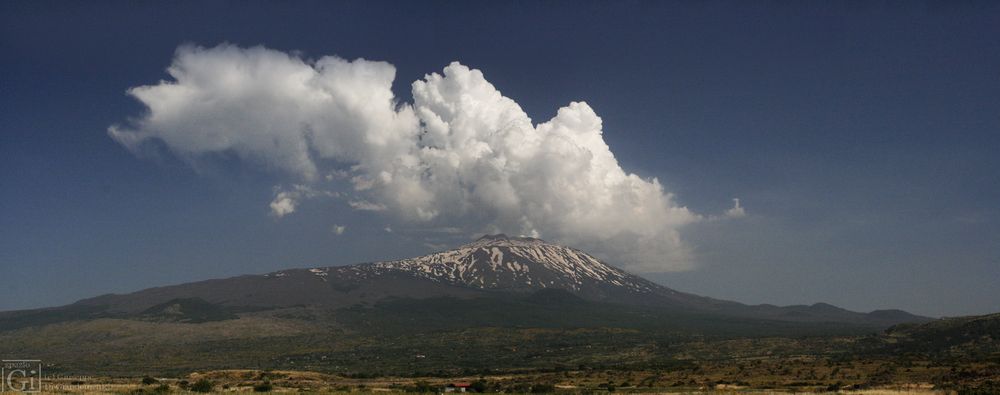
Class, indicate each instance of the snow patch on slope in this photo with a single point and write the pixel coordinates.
(502, 262)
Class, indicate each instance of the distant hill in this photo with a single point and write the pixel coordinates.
(967, 338)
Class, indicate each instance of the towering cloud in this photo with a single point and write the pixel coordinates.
(461, 156)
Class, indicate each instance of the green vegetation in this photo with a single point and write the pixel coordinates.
(191, 310)
(540, 343)
(371, 342)
(802, 374)
(560, 309)
(264, 386)
(203, 385)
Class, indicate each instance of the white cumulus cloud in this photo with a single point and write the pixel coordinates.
(283, 204)
(461, 156)
(736, 211)
(287, 200)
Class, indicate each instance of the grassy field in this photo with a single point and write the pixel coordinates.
(298, 350)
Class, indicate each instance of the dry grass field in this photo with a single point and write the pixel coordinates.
(251, 381)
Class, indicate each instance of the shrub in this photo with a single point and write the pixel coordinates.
(263, 387)
(149, 380)
(202, 385)
(160, 389)
(478, 386)
(423, 386)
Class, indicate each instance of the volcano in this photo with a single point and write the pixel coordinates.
(493, 266)
(508, 302)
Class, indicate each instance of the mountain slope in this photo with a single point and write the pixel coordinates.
(972, 337)
(492, 266)
(518, 297)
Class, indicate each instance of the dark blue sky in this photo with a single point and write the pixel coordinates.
(861, 137)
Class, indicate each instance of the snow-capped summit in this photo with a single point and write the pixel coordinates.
(501, 262)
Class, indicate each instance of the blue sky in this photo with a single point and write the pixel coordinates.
(861, 139)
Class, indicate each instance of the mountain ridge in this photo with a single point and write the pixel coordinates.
(491, 266)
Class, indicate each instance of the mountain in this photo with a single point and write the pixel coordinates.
(492, 266)
(538, 304)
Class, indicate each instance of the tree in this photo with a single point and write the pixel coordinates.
(423, 386)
